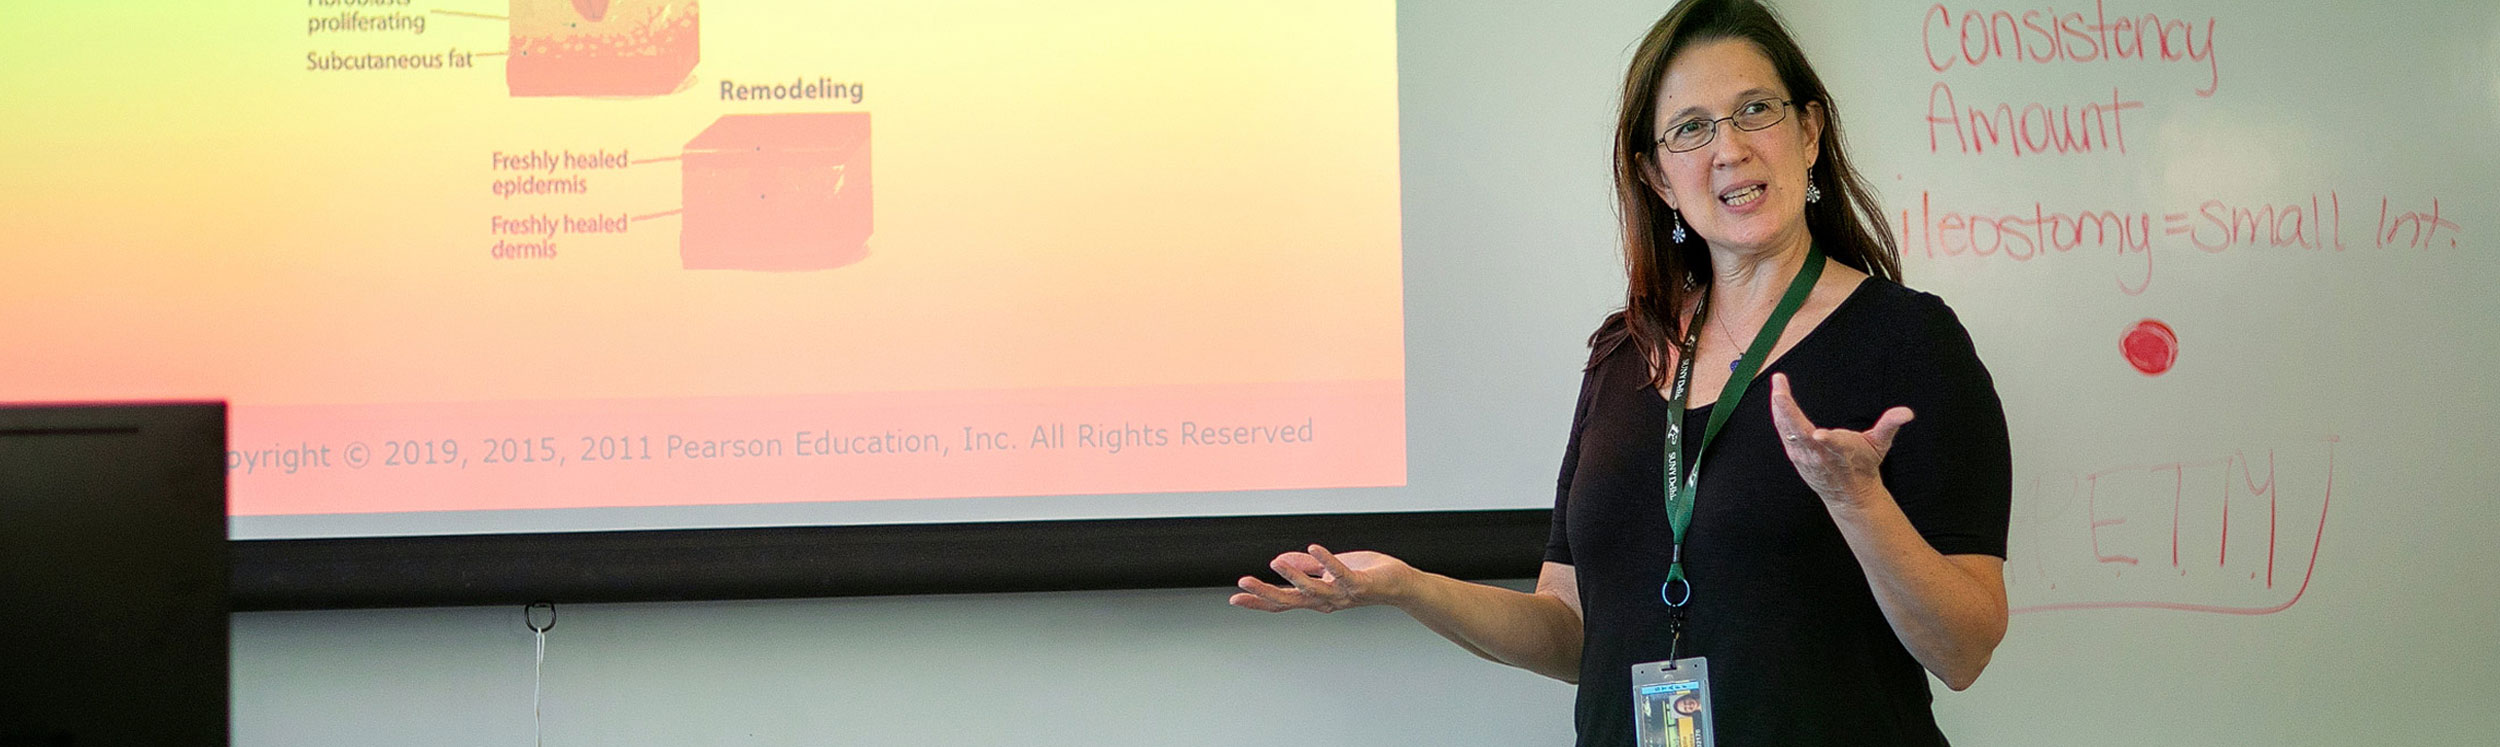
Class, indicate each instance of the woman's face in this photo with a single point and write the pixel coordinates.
(1744, 191)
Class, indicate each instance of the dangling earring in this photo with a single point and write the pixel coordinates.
(1813, 193)
(1678, 234)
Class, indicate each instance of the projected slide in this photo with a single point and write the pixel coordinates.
(474, 254)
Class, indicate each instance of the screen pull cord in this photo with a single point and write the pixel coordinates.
(529, 618)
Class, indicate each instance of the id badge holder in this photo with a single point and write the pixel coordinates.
(1671, 703)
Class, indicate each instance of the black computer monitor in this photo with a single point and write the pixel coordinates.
(113, 574)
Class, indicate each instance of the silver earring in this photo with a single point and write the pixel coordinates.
(1813, 193)
(1678, 234)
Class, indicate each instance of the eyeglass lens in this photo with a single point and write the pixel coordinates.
(1695, 133)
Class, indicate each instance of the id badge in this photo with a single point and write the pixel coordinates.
(1671, 703)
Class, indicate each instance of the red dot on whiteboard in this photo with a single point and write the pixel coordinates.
(2150, 347)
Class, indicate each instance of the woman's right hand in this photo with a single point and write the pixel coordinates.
(1319, 580)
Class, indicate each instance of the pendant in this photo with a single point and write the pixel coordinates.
(1731, 365)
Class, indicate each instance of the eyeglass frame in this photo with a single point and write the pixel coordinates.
(1785, 105)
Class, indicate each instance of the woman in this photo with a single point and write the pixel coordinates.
(1831, 552)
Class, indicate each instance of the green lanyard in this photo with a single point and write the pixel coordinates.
(1681, 483)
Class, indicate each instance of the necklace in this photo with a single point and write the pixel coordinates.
(1731, 345)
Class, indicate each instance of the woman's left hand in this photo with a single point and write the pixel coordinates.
(1843, 466)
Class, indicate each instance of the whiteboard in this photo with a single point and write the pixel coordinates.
(2271, 525)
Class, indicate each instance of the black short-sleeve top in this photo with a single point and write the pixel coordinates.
(1799, 653)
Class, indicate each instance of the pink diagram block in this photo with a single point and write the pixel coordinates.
(777, 192)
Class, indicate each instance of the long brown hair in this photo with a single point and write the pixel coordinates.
(1846, 223)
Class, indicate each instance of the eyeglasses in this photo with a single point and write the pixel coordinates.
(1692, 134)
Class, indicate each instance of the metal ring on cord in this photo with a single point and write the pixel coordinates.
(529, 616)
(1666, 592)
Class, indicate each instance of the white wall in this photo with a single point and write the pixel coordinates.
(1164, 667)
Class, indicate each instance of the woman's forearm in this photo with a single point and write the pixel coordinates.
(1950, 612)
(1539, 631)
